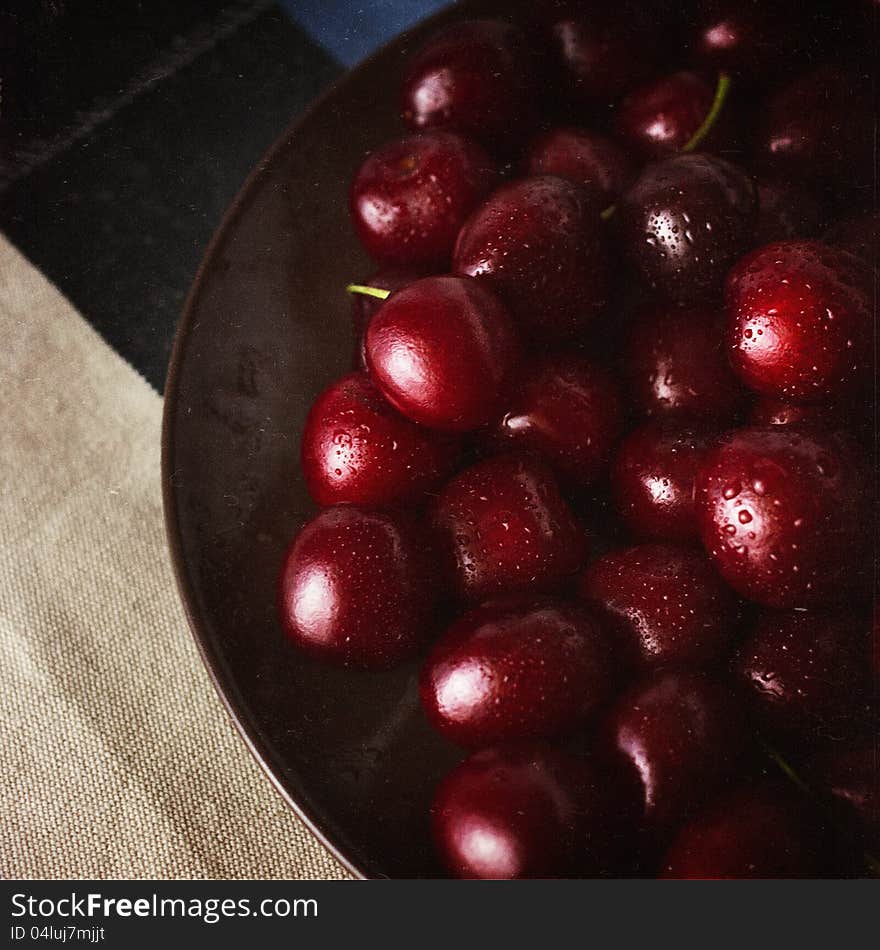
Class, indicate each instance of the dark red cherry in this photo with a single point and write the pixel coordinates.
(676, 365)
(681, 735)
(684, 222)
(660, 118)
(785, 212)
(799, 322)
(819, 129)
(357, 450)
(518, 671)
(364, 307)
(783, 513)
(567, 410)
(664, 603)
(526, 811)
(602, 53)
(847, 773)
(505, 527)
(758, 831)
(355, 589)
(653, 477)
(443, 351)
(474, 77)
(589, 159)
(859, 236)
(804, 672)
(410, 197)
(537, 243)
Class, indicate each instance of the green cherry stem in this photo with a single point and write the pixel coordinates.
(376, 292)
(721, 91)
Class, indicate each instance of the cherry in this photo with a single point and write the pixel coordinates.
(603, 54)
(410, 197)
(505, 527)
(785, 211)
(537, 243)
(354, 588)
(684, 222)
(517, 671)
(664, 603)
(653, 476)
(783, 513)
(799, 322)
(567, 410)
(364, 306)
(659, 119)
(847, 774)
(819, 128)
(681, 735)
(474, 77)
(804, 671)
(527, 811)
(356, 449)
(774, 412)
(859, 236)
(677, 366)
(589, 159)
(443, 351)
(750, 832)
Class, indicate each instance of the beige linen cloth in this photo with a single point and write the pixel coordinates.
(117, 758)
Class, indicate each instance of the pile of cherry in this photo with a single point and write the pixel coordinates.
(606, 456)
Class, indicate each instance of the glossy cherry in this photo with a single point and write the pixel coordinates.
(603, 54)
(684, 222)
(504, 527)
(355, 588)
(443, 351)
(537, 242)
(356, 449)
(660, 118)
(804, 672)
(567, 410)
(527, 811)
(653, 475)
(590, 159)
(758, 831)
(681, 735)
(665, 604)
(786, 212)
(519, 671)
(819, 129)
(676, 365)
(783, 513)
(475, 77)
(799, 322)
(410, 197)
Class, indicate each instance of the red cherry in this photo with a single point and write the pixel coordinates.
(677, 366)
(537, 243)
(752, 832)
(410, 197)
(526, 811)
(518, 671)
(443, 351)
(474, 77)
(659, 119)
(505, 527)
(665, 604)
(799, 322)
(804, 672)
(653, 479)
(357, 450)
(568, 411)
(783, 513)
(681, 735)
(354, 588)
(589, 159)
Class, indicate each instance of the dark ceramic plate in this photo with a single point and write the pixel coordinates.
(266, 326)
